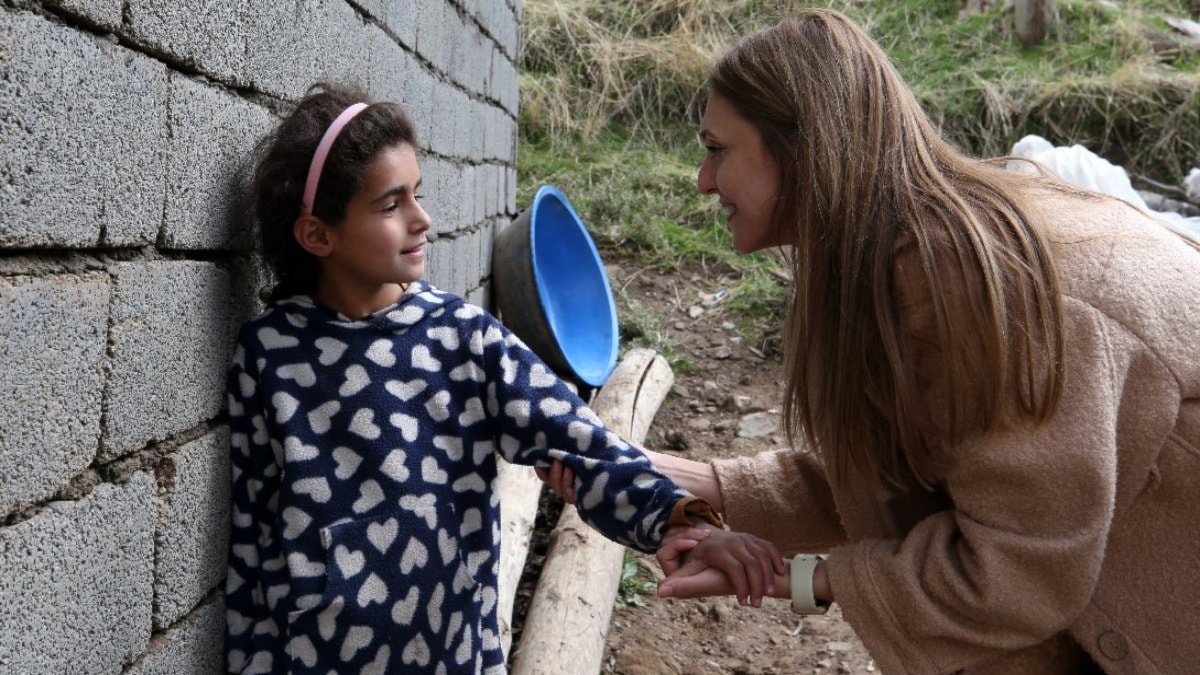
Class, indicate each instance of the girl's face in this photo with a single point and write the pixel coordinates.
(739, 170)
(381, 242)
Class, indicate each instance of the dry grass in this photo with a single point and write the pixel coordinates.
(1110, 78)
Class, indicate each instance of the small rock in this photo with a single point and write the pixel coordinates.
(723, 426)
(757, 424)
(722, 353)
(711, 387)
(673, 439)
(728, 325)
(736, 339)
(745, 380)
(695, 311)
(825, 663)
(694, 404)
(838, 646)
(871, 667)
(720, 613)
(680, 325)
(646, 660)
(680, 391)
(699, 424)
(741, 403)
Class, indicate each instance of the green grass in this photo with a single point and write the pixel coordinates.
(640, 203)
(609, 104)
(635, 582)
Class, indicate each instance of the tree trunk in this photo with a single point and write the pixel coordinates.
(1034, 19)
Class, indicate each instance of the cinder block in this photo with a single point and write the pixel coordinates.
(493, 91)
(463, 133)
(439, 268)
(207, 35)
(171, 333)
(479, 127)
(195, 646)
(401, 19)
(292, 45)
(52, 339)
(77, 586)
(212, 141)
(444, 118)
(105, 14)
(82, 159)
(508, 139)
(418, 100)
(193, 526)
(468, 197)
(387, 74)
(511, 190)
(431, 32)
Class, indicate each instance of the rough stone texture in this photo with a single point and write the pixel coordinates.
(193, 526)
(52, 334)
(104, 14)
(399, 18)
(292, 44)
(75, 594)
(212, 139)
(205, 35)
(83, 128)
(194, 646)
(171, 334)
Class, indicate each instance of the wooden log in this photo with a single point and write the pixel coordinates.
(519, 490)
(567, 623)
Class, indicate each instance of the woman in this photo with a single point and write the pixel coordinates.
(993, 382)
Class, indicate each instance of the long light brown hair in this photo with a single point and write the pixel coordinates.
(866, 178)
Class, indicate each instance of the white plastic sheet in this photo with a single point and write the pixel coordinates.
(1084, 168)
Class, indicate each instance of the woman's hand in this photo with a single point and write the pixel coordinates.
(749, 565)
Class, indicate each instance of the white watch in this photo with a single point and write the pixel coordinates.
(801, 576)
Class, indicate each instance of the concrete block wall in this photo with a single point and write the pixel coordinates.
(126, 267)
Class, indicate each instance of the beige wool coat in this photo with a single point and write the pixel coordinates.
(1084, 531)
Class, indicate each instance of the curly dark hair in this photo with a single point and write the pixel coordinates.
(282, 167)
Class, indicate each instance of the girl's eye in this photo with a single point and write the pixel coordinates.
(714, 149)
(419, 197)
(391, 208)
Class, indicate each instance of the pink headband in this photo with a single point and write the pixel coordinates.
(318, 160)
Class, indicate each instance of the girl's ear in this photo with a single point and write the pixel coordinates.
(313, 236)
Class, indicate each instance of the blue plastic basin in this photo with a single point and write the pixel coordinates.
(553, 292)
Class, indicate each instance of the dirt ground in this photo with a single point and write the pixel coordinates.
(732, 390)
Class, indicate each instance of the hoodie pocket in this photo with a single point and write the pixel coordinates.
(395, 586)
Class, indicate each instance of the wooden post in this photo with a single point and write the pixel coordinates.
(567, 623)
(1034, 19)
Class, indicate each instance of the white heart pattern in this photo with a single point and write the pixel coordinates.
(273, 339)
(327, 619)
(540, 377)
(358, 637)
(320, 418)
(381, 535)
(438, 406)
(406, 608)
(372, 591)
(380, 352)
(331, 350)
(405, 390)
(422, 506)
(347, 462)
(301, 648)
(422, 359)
(471, 522)
(468, 371)
(370, 495)
(295, 522)
(447, 546)
(519, 411)
(582, 433)
(416, 652)
(434, 609)
(349, 562)
(446, 335)
(364, 425)
(553, 407)
(394, 467)
(301, 373)
(472, 413)
(356, 380)
(316, 488)
(432, 472)
(451, 445)
(285, 406)
(415, 556)
(408, 426)
(378, 665)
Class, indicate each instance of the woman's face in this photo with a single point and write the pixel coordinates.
(743, 175)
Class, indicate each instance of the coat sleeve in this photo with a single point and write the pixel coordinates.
(1018, 556)
(539, 420)
(255, 485)
(781, 496)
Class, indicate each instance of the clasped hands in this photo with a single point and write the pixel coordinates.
(703, 560)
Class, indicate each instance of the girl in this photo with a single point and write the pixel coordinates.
(367, 410)
(996, 378)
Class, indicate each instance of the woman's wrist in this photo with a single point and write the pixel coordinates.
(698, 478)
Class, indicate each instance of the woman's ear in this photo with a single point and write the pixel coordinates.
(313, 236)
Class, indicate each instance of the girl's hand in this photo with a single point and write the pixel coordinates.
(561, 480)
(676, 542)
(749, 564)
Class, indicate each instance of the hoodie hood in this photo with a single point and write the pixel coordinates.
(420, 302)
